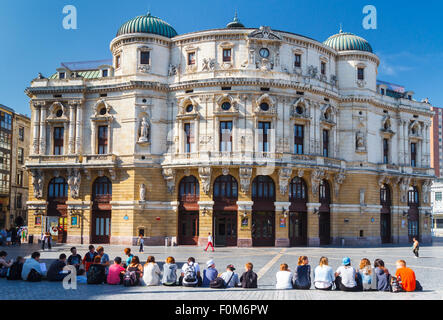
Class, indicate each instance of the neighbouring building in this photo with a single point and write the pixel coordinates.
(261, 137)
(437, 207)
(14, 150)
(436, 141)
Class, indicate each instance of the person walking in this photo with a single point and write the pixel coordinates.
(141, 242)
(415, 247)
(210, 242)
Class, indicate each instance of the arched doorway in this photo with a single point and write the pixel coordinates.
(385, 214)
(298, 221)
(101, 211)
(324, 228)
(413, 213)
(57, 218)
(263, 211)
(188, 224)
(225, 211)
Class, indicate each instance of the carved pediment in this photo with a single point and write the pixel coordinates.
(264, 32)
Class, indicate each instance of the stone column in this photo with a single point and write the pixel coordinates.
(205, 221)
(401, 145)
(244, 231)
(79, 130)
(93, 137)
(406, 144)
(71, 137)
(196, 135)
(110, 137)
(313, 224)
(181, 135)
(427, 147)
(35, 130)
(65, 134)
(43, 110)
(422, 147)
(282, 229)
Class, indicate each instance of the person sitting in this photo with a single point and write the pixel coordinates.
(249, 277)
(136, 268)
(96, 273)
(75, 259)
(32, 269)
(284, 277)
(405, 276)
(129, 257)
(210, 273)
(55, 271)
(4, 265)
(365, 275)
(190, 274)
(302, 275)
(116, 272)
(230, 277)
(89, 257)
(151, 273)
(346, 276)
(323, 275)
(15, 272)
(169, 272)
(382, 276)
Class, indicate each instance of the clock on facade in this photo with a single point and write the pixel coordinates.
(264, 53)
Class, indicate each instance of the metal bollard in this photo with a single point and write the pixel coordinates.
(342, 242)
(166, 241)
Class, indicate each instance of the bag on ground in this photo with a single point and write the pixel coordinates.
(34, 276)
(130, 279)
(217, 283)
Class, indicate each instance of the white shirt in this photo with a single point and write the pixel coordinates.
(347, 275)
(210, 238)
(151, 274)
(186, 266)
(284, 280)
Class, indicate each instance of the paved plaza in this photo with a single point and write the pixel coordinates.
(428, 268)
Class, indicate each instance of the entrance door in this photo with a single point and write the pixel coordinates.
(101, 227)
(62, 230)
(298, 229)
(188, 228)
(325, 228)
(385, 227)
(263, 228)
(225, 228)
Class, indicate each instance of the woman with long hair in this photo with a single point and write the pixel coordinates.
(382, 276)
(302, 276)
(323, 275)
(284, 277)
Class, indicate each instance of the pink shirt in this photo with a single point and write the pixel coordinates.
(114, 274)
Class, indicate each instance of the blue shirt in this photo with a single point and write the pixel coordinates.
(209, 275)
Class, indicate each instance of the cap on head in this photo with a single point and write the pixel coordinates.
(209, 263)
(346, 261)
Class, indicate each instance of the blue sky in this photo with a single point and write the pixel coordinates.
(408, 38)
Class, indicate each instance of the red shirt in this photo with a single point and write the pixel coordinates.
(114, 274)
(407, 278)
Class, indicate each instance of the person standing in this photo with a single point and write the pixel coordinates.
(141, 242)
(415, 247)
(210, 242)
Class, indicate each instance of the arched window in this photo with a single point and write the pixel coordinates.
(263, 188)
(297, 190)
(58, 188)
(413, 198)
(225, 187)
(102, 187)
(189, 189)
(324, 192)
(385, 195)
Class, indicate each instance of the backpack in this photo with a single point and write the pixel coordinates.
(190, 277)
(249, 280)
(130, 279)
(34, 276)
(395, 285)
(217, 283)
(3, 272)
(95, 275)
(15, 272)
(418, 286)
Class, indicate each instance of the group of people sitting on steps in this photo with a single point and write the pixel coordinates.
(96, 268)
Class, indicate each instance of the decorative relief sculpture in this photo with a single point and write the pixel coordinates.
(74, 180)
(316, 177)
(426, 188)
(37, 182)
(362, 197)
(245, 178)
(312, 72)
(225, 171)
(145, 131)
(205, 177)
(360, 142)
(208, 64)
(142, 192)
(284, 174)
(172, 70)
(169, 176)
(404, 187)
(338, 181)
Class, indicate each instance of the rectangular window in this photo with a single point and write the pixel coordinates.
(361, 73)
(226, 136)
(21, 133)
(117, 61)
(385, 150)
(104, 73)
(58, 140)
(264, 139)
(326, 143)
(189, 137)
(191, 58)
(145, 57)
(226, 55)
(103, 140)
(298, 139)
(438, 196)
(61, 75)
(21, 155)
(413, 154)
(382, 91)
(5, 121)
(323, 68)
(18, 201)
(20, 178)
(297, 60)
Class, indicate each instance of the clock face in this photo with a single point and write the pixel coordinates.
(264, 53)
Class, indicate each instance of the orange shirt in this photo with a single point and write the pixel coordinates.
(407, 277)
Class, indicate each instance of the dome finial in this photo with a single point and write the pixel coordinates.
(235, 16)
(341, 28)
(235, 23)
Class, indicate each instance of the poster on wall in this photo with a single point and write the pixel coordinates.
(52, 226)
(282, 222)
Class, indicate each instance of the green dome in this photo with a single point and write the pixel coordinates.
(344, 41)
(147, 24)
(235, 23)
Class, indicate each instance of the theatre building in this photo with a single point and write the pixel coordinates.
(261, 137)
